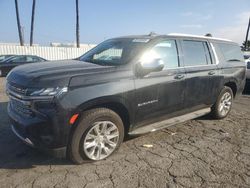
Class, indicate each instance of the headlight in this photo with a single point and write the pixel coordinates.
(49, 91)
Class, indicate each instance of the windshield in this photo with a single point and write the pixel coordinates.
(114, 51)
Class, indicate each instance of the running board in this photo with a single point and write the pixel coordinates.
(169, 122)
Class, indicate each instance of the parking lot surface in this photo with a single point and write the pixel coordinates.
(198, 153)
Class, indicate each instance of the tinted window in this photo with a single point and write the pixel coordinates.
(29, 59)
(196, 53)
(18, 59)
(4, 57)
(38, 59)
(230, 52)
(166, 51)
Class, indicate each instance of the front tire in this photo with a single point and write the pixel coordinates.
(98, 134)
(223, 105)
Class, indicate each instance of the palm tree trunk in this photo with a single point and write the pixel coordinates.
(32, 22)
(246, 41)
(77, 25)
(18, 24)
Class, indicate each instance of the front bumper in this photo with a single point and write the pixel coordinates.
(56, 152)
(45, 131)
(25, 140)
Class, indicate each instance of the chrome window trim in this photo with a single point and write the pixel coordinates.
(192, 66)
(183, 67)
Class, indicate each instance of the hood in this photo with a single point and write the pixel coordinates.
(53, 73)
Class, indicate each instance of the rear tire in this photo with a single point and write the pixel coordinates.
(223, 105)
(98, 134)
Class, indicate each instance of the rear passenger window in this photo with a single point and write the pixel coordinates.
(230, 52)
(196, 53)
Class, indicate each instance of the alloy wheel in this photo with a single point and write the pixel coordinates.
(101, 140)
(225, 104)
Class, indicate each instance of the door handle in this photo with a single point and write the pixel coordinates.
(211, 72)
(179, 76)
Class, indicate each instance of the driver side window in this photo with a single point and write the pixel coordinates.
(167, 52)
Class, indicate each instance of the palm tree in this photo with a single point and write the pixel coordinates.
(246, 41)
(77, 25)
(18, 24)
(32, 22)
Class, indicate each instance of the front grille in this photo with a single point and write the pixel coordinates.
(21, 108)
(16, 89)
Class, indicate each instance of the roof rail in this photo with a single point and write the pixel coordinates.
(197, 36)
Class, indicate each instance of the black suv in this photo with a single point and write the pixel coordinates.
(129, 85)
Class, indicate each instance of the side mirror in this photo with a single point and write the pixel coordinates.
(144, 68)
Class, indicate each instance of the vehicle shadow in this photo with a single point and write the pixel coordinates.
(14, 154)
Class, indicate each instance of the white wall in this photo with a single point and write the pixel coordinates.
(49, 53)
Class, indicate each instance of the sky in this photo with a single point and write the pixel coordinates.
(103, 19)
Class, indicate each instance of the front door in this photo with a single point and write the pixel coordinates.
(160, 94)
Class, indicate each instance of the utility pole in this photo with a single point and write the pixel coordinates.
(32, 22)
(246, 41)
(18, 24)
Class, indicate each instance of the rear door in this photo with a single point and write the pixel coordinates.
(200, 71)
(160, 94)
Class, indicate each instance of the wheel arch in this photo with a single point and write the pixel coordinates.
(233, 86)
(116, 104)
